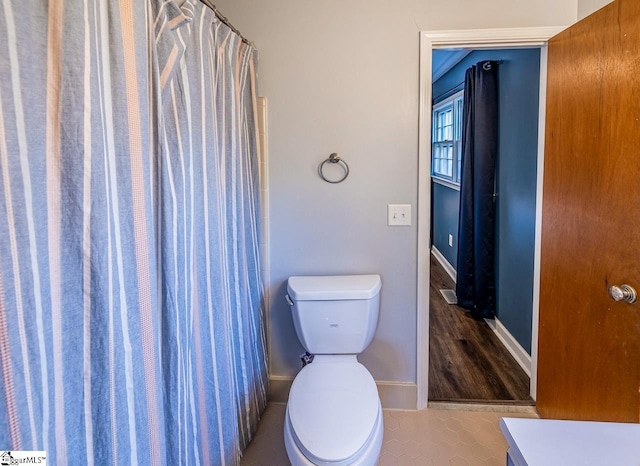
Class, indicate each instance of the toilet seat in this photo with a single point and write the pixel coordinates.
(333, 411)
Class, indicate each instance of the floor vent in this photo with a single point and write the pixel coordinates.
(449, 296)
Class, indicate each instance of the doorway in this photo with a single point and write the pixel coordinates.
(479, 39)
(476, 360)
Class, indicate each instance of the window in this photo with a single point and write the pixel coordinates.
(446, 152)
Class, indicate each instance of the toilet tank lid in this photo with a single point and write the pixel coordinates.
(333, 287)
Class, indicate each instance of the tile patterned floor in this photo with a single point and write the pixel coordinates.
(433, 437)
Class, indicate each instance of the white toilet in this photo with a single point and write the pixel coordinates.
(334, 415)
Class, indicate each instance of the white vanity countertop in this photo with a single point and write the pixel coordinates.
(547, 442)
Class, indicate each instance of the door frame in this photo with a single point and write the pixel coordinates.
(476, 39)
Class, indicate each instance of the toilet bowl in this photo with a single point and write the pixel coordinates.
(334, 416)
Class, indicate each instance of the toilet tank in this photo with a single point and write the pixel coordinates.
(335, 314)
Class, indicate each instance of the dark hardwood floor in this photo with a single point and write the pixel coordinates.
(467, 361)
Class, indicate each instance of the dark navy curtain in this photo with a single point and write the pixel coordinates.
(475, 286)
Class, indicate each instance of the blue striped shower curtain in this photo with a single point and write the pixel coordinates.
(131, 305)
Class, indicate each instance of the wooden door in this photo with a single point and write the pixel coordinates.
(589, 345)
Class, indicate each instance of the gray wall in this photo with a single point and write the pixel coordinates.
(586, 7)
(342, 76)
(516, 183)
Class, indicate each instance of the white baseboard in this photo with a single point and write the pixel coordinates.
(393, 395)
(398, 395)
(512, 345)
(279, 387)
(445, 263)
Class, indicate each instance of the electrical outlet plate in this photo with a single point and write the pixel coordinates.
(399, 215)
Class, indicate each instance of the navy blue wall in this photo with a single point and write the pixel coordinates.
(444, 219)
(516, 184)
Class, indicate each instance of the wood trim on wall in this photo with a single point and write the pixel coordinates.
(472, 38)
(393, 395)
(451, 271)
(535, 317)
(509, 341)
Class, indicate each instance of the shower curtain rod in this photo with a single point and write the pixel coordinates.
(224, 19)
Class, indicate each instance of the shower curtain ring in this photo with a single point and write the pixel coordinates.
(334, 158)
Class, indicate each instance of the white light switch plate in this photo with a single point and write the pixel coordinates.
(399, 215)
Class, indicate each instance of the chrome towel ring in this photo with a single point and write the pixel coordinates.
(334, 158)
